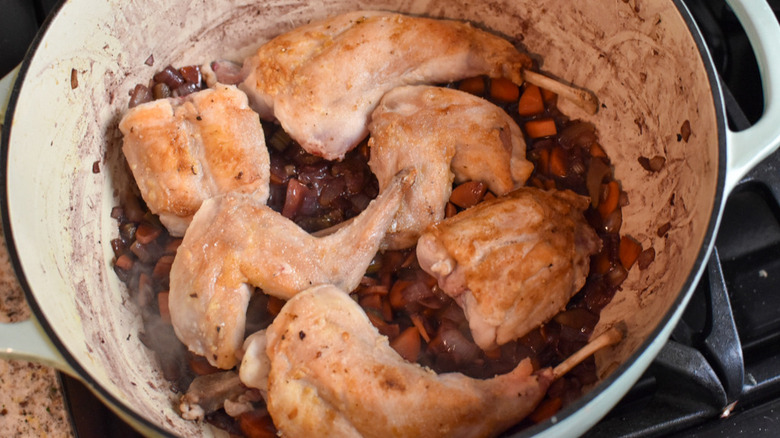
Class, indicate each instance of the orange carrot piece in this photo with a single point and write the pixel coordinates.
(162, 303)
(200, 365)
(146, 233)
(629, 251)
(548, 95)
(546, 409)
(371, 301)
(257, 424)
(544, 161)
(531, 102)
(468, 194)
(274, 305)
(124, 262)
(418, 322)
(475, 85)
(610, 201)
(597, 151)
(397, 294)
(601, 263)
(504, 90)
(494, 353)
(407, 344)
(541, 128)
(450, 210)
(558, 164)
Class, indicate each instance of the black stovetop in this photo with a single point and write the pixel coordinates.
(719, 375)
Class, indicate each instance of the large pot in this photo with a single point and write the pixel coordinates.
(645, 60)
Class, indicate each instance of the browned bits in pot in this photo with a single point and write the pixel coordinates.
(663, 229)
(654, 164)
(96, 166)
(646, 258)
(685, 131)
(149, 61)
(74, 79)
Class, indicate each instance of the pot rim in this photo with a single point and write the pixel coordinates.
(567, 414)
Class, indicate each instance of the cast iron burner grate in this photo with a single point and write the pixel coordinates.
(720, 371)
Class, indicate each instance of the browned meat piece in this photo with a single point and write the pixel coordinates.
(513, 262)
(185, 150)
(333, 374)
(322, 80)
(236, 241)
(444, 134)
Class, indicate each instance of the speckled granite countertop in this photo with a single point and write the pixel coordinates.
(31, 400)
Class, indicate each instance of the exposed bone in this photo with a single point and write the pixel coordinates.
(612, 336)
(578, 96)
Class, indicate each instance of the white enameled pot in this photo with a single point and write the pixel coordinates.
(645, 60)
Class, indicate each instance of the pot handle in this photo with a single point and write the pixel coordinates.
(745, 149)
(6, 84)
(26, 340)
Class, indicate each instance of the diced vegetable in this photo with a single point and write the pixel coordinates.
(407, 344)
(162, 303)
(468, 194)
(475, 85)
(531, 102)
(558, 164)
(609, 199)
(629, 251)
(546, 409)
(257, 424)
(541, 128)
(504, 90)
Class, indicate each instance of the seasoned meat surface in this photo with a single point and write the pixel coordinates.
(445, 134)
(185, 150)
(322, 80)
(513, 262)
(333, 374)
(236, 241)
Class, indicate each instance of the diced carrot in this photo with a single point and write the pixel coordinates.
(609, 201)
(257, 424)
(558, 165)
(146, 233)
(544, 161)
(601, 263)
(494, 353)
(387, 309)
(407, 344)
(162, 303)
(389, 330)
(597, 151)
(541, 128)
(546, 409)
(468, 194)
(504, 90)
(172, 246)
(548, 95)
(124, 262)
(372, 301)
(374, 289)
(418, 322)
(397, 293)
(629, 251)
(475, 85)
(450, 210)
(200, 365)
(163, 267)
(531, 102)
(274, 305)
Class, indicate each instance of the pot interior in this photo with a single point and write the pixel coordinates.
(66, 171)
